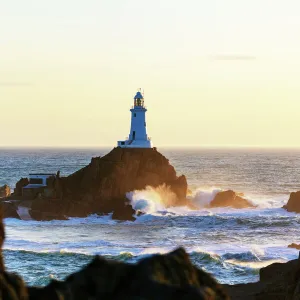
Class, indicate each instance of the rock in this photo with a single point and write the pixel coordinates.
(125, 213)
(277, 281)
(293, 204)
(229, 199)
(9, 210)
(47, 210)
(4, 191)
(19, 186)
(101, 187)
(295, 246)
(169, 276)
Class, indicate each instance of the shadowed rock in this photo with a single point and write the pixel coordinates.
(293, 204)
(277, 281)
(230, 199)
(9, 209)
(170, 276)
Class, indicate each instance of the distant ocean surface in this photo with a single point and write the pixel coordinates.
(231, 244)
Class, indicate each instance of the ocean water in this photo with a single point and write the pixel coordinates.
(229, 243)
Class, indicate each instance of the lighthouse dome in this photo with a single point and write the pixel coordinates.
(138, 96)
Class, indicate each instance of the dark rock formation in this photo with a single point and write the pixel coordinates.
(229, 199)
(170, 276)
(101, 186)
(294, 246)
(9, 209)
(124, 212)
(4, 191)
(19, 186)
(293, 204)
(277, 281)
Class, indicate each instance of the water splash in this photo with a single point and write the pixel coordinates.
(151, 200)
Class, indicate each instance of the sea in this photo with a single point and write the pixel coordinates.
(231, 244)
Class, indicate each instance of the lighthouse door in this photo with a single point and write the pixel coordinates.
(133, 135)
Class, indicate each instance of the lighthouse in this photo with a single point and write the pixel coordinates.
(138, 137)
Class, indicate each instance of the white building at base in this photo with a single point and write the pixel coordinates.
(138, 131)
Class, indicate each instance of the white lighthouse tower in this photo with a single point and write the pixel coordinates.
(138, 131)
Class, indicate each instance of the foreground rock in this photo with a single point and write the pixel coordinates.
(277, 281)
(4, 191)
(101, 187)
(230, 199)
(293, 204)
(170, 276)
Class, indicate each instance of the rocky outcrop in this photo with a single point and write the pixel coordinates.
(294, 246)
(277, 281)
(230, 199)
(293, 204)
(169, 276)
(4, 191)
(19, 186)
(101, 187)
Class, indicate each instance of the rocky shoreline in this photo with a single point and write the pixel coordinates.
(102, 186)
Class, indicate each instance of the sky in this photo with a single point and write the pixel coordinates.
(215, 73)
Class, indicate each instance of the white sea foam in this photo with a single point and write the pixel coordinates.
(161, 201)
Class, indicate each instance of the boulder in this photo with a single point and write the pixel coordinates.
(124, 213)
(4, 191)
(229, 199)
(293, 204)
(294, 246)
(277, 281)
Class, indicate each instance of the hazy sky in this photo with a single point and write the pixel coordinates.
(215, 73)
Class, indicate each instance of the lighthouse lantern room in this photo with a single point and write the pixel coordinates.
(138, 131)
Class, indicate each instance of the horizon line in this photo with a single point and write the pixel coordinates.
(12, 147)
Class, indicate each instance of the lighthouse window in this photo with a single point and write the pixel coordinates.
(36, 181)
(134, 115)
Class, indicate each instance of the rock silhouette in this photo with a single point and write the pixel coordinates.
(229, 199)
(293, 204)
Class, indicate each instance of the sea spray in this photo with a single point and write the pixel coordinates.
(162, 200)
(151, 200)
(202, 198)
